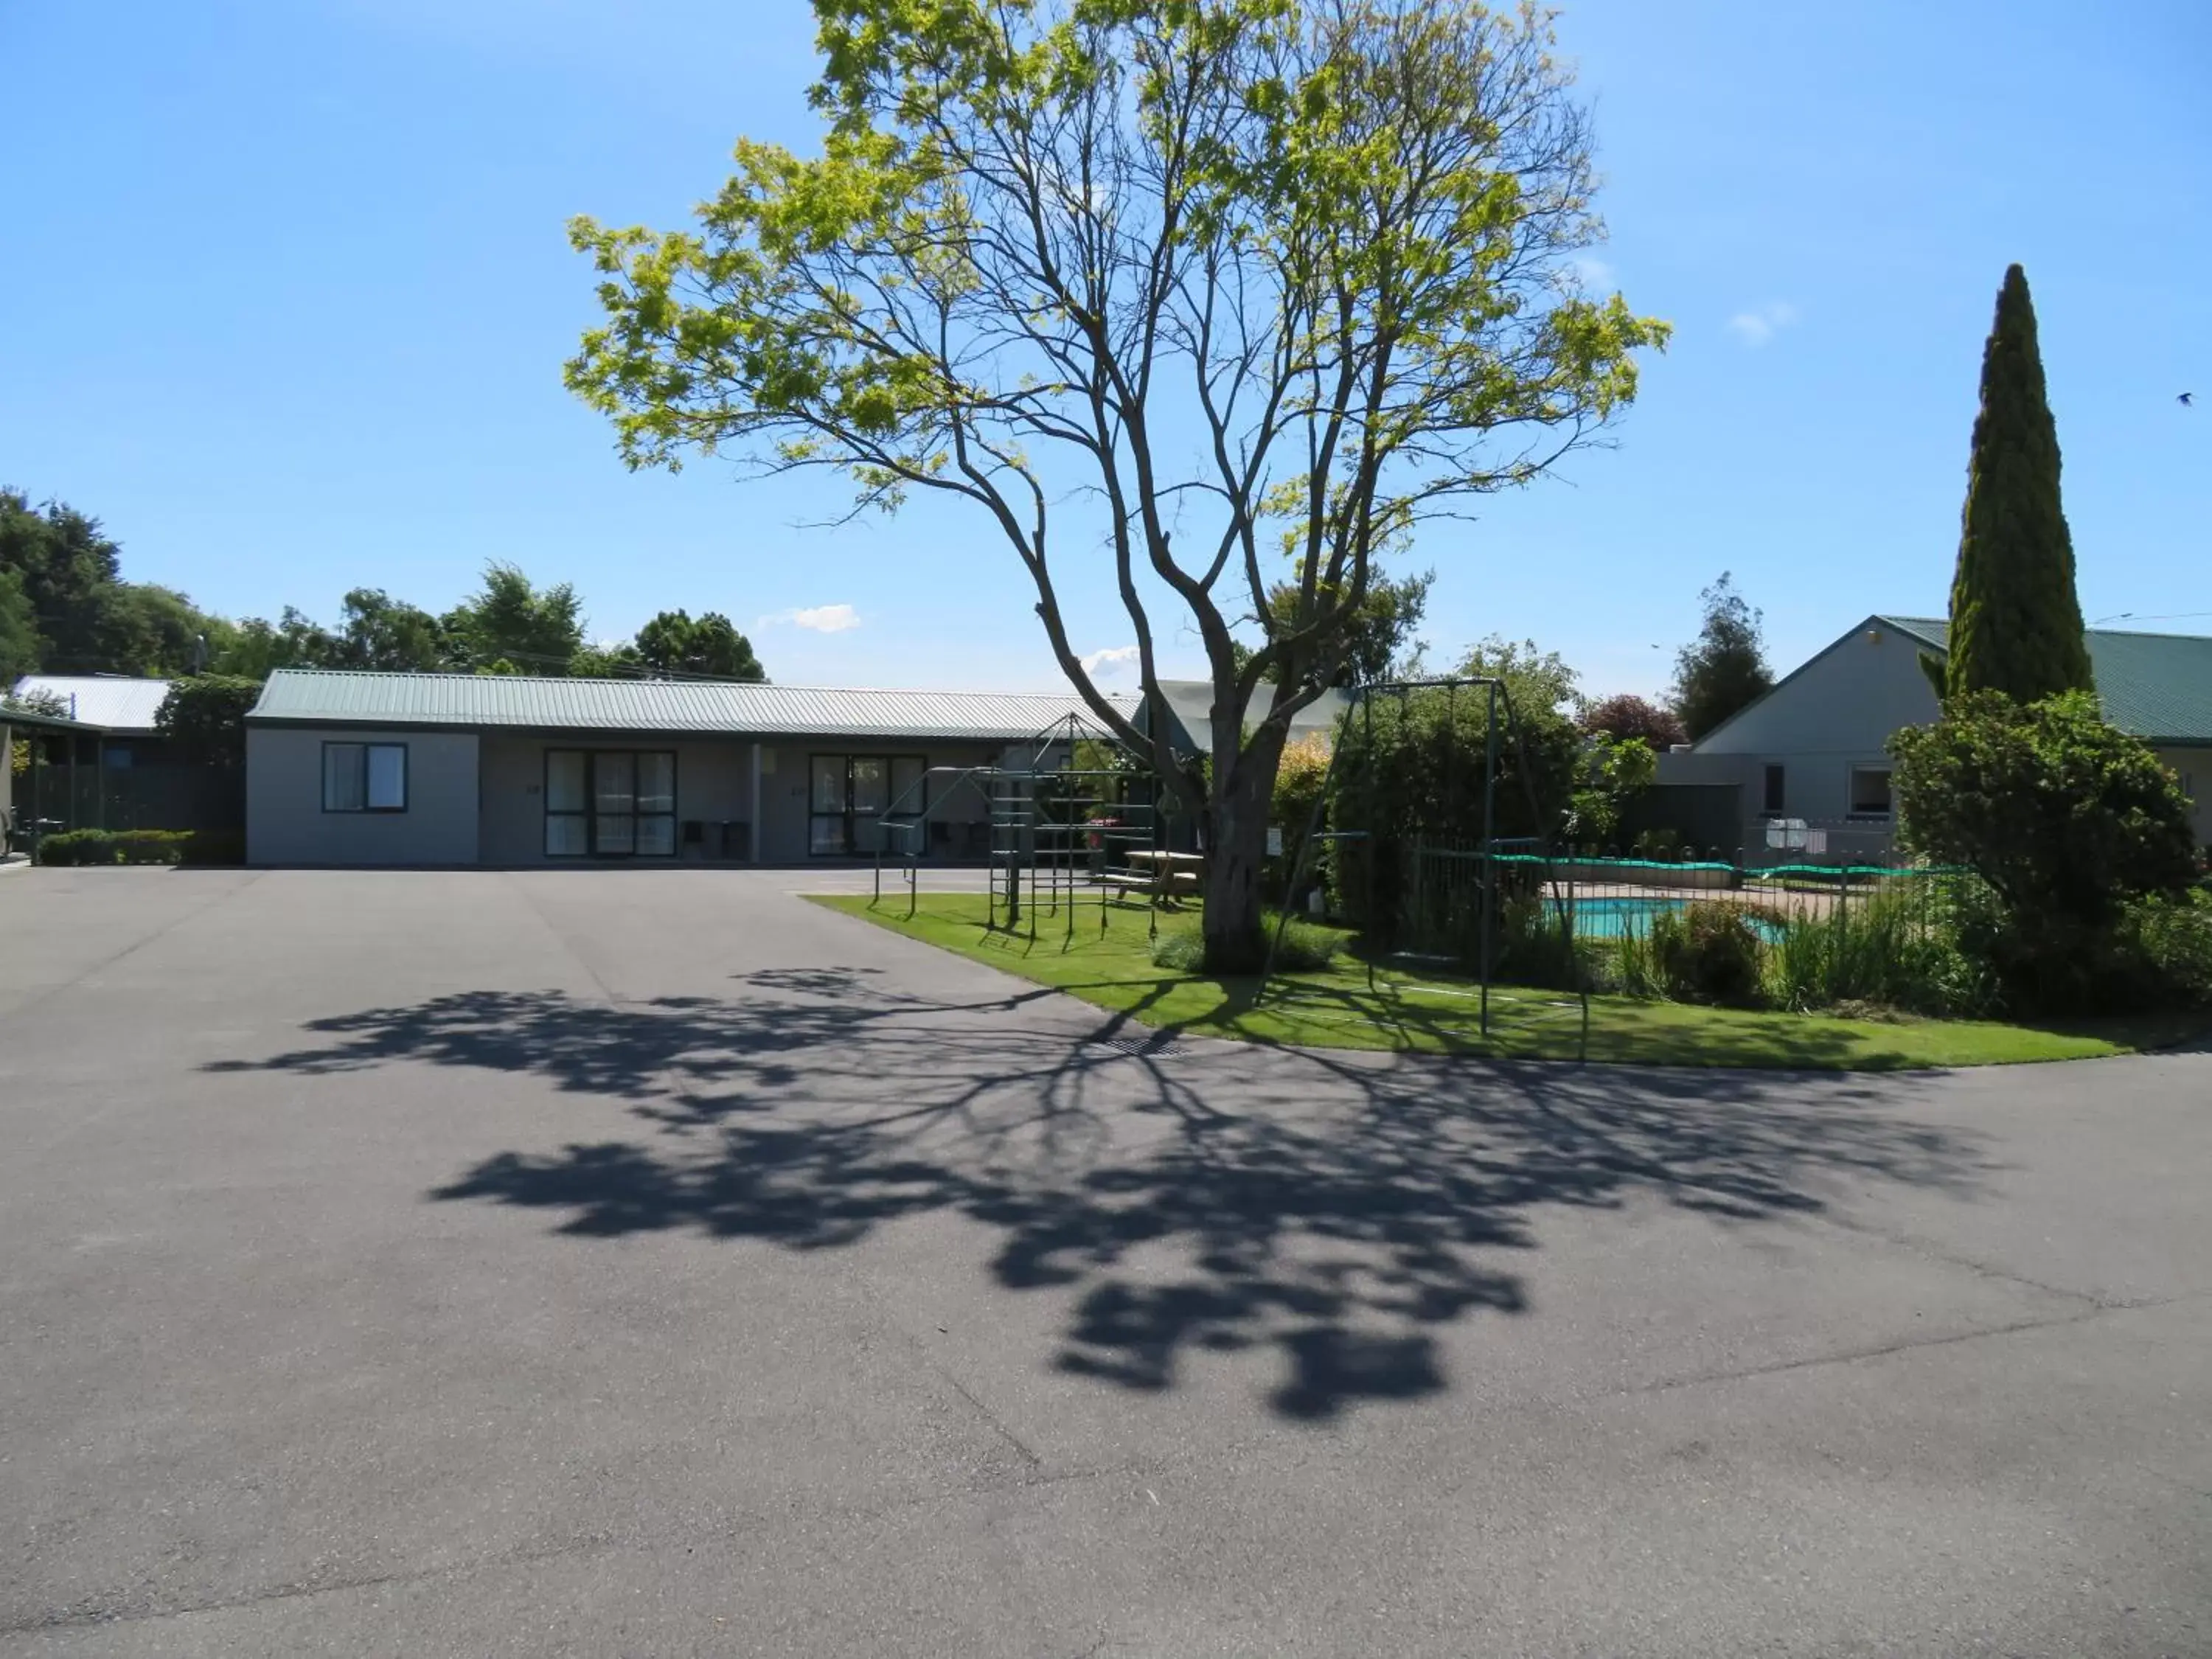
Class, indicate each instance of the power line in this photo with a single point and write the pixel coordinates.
(2166, 616)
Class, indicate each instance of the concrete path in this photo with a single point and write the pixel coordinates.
(652, 1263)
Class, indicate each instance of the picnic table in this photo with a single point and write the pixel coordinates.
(1163, 874)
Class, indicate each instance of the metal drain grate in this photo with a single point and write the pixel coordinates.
(1140, 1048)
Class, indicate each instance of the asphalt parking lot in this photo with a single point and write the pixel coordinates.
(653, 1263)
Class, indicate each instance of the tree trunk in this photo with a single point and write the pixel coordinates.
(1234, 929)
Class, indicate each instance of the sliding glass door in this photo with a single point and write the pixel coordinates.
(610, 803)
(849, 795)
(614, 804)
(656, 803)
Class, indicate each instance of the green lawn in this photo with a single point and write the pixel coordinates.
(1340, 1009)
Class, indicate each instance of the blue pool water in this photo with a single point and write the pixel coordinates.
(1617, 918)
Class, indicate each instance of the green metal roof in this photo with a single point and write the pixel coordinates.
(2158, 686)
(334, 697)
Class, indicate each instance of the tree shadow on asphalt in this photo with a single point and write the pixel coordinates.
(1339, 1207)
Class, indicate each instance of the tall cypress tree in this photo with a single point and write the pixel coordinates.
(2016, 622)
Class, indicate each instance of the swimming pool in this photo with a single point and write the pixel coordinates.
(1618, 918)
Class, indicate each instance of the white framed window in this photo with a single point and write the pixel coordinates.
(1870, 796)
(364, 777)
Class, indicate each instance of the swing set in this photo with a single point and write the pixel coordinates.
(1447, 864)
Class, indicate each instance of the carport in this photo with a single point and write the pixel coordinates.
(39, 803)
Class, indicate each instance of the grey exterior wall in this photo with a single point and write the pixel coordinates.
(285, 822)
(2194, 767)
(1833, 715)
(1836, 713)
(783, 799)
(474, 799)
(1844, 703)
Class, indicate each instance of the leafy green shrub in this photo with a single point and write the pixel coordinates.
(1305, 948)
(1298, 788)
(80, 846)
(1888, 950)
(1180, 951)
(2173, 939)
(2058, 810)
(2083, 837)
(1631, 963)
(2156, 954)
(1799, 965)
(1412, 768)
(1710, 952)
(1531, 947)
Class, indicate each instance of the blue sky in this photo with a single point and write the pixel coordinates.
(286, 296)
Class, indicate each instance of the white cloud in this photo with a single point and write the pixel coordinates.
(1760, 324)
(1594, 273)
(817, 619)
(1113, 658)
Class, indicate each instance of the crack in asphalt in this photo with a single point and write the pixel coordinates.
(82, 1618)
(1851, 1357)
(132, 948)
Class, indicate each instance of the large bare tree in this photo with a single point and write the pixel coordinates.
(1226, 292)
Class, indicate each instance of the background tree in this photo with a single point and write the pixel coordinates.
(255, 648)
(19, 631)
(600, 661)
(717, 648)
(376, 631)
(1724, 668)
(38, 700)
(2015, 621)
(1612, 771)
(532, 630)
(1042, 251)
(1629, 718)
(1381, 636)
(146, 629)
(89, 620)
(671, 643)
(1542, 684)
(68, 569)
(65, 607)
(205, 716)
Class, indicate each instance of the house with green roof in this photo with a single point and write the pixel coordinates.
(1814, 749)
(346, 768)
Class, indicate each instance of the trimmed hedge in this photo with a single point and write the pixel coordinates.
(101, 847)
